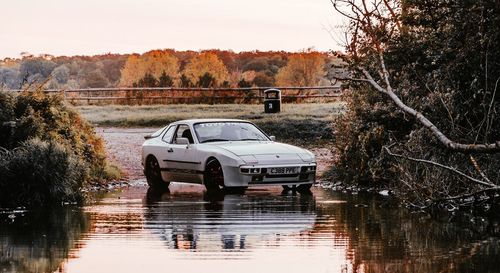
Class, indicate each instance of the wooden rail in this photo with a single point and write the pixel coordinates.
(165, 95)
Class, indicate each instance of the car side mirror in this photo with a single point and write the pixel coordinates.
(182, 141)
(147, 137)
(273, 138)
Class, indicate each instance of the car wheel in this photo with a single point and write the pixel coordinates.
(235, 190)
(304, 188)
(213, 177)
(289, 188)
(153, 174)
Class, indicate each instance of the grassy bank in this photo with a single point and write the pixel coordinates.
(48, 153)
(298, 122)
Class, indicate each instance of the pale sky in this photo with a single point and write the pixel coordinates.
(88, 27)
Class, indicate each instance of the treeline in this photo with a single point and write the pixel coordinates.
(170, 68)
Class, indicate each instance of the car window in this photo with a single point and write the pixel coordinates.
(167, 137)
(228, 131)
(157, 133)
(184, 131)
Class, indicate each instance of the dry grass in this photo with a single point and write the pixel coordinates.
(157, 115)
(297, 123)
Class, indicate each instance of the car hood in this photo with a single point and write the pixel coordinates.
(259, 148)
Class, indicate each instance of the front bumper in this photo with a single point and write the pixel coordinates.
(234, 177)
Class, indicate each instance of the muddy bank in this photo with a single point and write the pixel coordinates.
(123, 146)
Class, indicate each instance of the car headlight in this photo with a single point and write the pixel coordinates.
(249, 159)
(306, 157)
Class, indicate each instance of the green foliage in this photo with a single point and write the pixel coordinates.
(51, 140)
(370, 123)
(40, 173)
(445, 63)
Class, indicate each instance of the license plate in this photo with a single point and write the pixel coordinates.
(284, 170)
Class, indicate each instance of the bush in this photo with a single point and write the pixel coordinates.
(49, 153)
(41, 172)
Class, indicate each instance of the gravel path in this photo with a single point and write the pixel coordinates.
(123, 147)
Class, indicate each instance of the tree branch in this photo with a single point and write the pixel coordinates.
(477, 181)
(459, 147)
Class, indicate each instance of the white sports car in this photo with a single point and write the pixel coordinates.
(224, 154)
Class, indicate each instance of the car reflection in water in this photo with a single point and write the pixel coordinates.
(227, 222)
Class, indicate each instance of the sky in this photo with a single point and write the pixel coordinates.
(90, 27)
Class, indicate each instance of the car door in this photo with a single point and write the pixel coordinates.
(162, 151)
(182, 162)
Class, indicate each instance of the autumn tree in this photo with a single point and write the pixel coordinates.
(204, 63)
(303, 69)
(165, 80)
(185, 82)
(154, 62)
(243, 83)
(206, 81)
(147, 81)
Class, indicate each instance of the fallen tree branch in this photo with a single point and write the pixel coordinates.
(459, 147)
(475, 180)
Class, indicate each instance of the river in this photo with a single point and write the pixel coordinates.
(139, 230)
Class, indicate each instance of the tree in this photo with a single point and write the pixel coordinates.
(422, 65)
(263, 80)
(165, 80)
(154, 62)
(9, 77)
(185, 81)
(95, 79)
(206, 81)
(147, 81)
(303, 69)
(61, 74)
(242, 83)
(204, 63)
(36, 69)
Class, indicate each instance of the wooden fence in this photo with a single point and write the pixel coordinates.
(170, 95)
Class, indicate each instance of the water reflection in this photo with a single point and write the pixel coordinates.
(39, 241)
(227, 222)
(263, 230)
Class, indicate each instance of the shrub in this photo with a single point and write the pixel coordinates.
(49, 151)
(41, 172)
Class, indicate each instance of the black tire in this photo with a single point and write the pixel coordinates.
(213, 177)
(235, 190)
(153, 174)
(289, 188)
(304, 188)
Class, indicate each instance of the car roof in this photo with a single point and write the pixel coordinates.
(202, 120)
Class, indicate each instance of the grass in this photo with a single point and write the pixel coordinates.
(158, 115)
(298, 123)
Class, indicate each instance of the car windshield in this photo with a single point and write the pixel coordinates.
(228, 131)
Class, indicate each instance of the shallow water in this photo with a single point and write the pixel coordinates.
(134, 230)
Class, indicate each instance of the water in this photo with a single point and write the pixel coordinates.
(263, 231)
